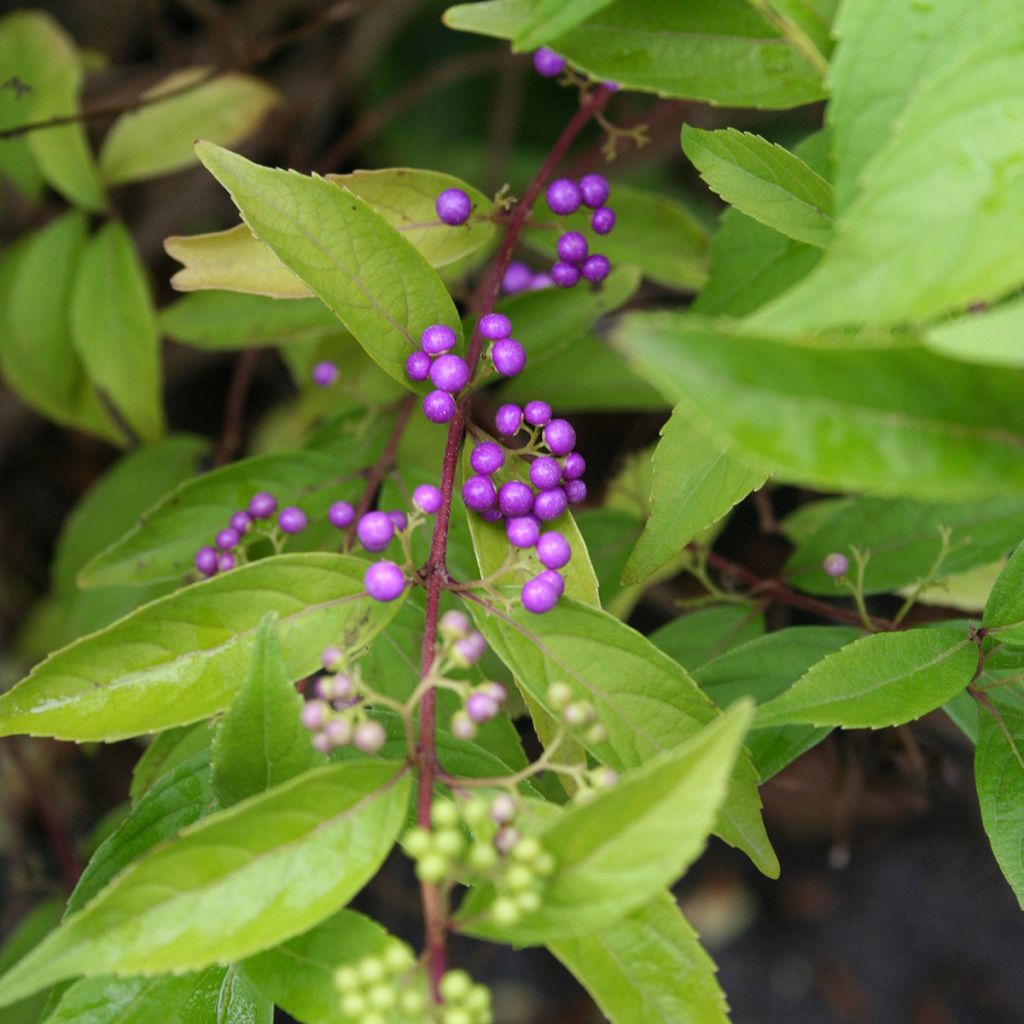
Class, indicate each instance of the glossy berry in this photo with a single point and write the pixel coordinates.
(522, 531)
(331, 657)
(227, 539)
(537, 414)
(341, 514)
(481, 708)
(596, 268)
(437, 338)
(240, 522)
(540, 281)
(324, 374)
(206, 561)
(375, 531)
(575, 491)
(572, 247)
(449, 373)
(515, 499)
(262, 506)
(399, 519)
(553, 579)
(508, 356)
(470, 648)
(602, 220)
(548, 63)
(479, 494)
(314, 714)
(517, 278)
(553, 550)
(539, 596)
(369, 736)
(545, 472)
(574, 466)
(417, 366)
(495, 326)
(560, 437)
(487, 458)
(453, 206)
(564, 197)
(454, 624)
(508, 419)
(439, 407)
(595, 190)
(565, 275)
(384, 581)
(835, 565)
(492, 515)
(292, 520)
(427, 498)
(226, 562)
(550, 504)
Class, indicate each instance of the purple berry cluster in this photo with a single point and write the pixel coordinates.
(519, 277)
(449, 373)
(507, 355)
(575, 260)
(335, 716)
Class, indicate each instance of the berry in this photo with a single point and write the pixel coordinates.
(487, 458)
(292, 520)
(540, 281)
(262, 506)
(504, 912)
(547, 63)
(503, 809)
(375, 530)
(314, 715)
(508, 356)
(324, 374)
(506, 839)
(564, 196)
(427, 498)
(560, 437)
(479, 494)
(339, 732)
(454, 624)
(449, 373)
(519, 878)
(226, 562)
(331, 658)
(508, 419)
(559, 695)
(449, 842)
(455, 986)
(240, 521)
(550, 504)
(443, 814)
(206, 561)
(481, 708)
(596, 268)
(398, 958)
(574, 466)
(399, 519)
(565, 275)
(515, 499)
(595, 190)
(227, 539)
(353, 1005)
(439, 407)
(537, 414)
(492, 515)
(835, 565)
(437, 338)
(341, 514)
(602, 220)
(463, 727)
(482, 857)
(417, 366)
(346, 979)
(575, 491)
(369, 736)
(554, 579)
(470, 648)
(453, 207)
(517, 278)
(527, 850)
(495, 326)
(416, 842)
(572, 247)
(539, 596)
(553, 550)
(384, 581)
(522, 532)
(545, 472)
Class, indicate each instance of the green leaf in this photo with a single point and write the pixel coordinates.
(696, 637)
(764, 181)
(260, 741)
(1004, 610)
(158, 139)
(227, 886)
(836, 413)
(643, 833)
(647, 968)
(723, 53)
(231, 999)
(696, 482)
(113, 328)
(610, 534)
(27, 934)
(999, 776)
(36, 51)
(181, 658)
(552, 18)
(167, 750)
(372, 279)
(992, 337)
(298, 975)
(647, 702)
(880, 680)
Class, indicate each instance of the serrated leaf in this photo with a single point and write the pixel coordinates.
(227, 887)
(1004, 610)
(260, 741)
(643, 832)
(695, 638)
(158, 139)
(648, 968)
(371, 278)
(993, 336)
(182, 657)
(880, 680)
(113, 328)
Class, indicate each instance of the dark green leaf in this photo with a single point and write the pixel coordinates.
(1004, 610)
(697, 637)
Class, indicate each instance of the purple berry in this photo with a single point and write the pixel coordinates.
(523, 531)
(595, 189)
(565, 275)
(574, 466)
(553, 550)
(545, 473)
(338, 732)
(399, 519)
(471, 648)
(427, 498)
(537, 414)
(517, 278)
(540, 281)
(835, 565)
(439, 407)
(602, 220)
(227, 539)
(314, 715)
(479, 494)
(508, 419)
(539, 596)
(331, 657)
(206, 560)
(449, 373)
(292, 520)
(341, 514)
(417, 366)
(560, 437)
(554, 579)
(370, 736)
(481, 708)
(508, 356)
(575, 491)
(240, 522)
(375, 531)
(548, 63)
(596, 268)
(572, 247)
(564, 197)
(437, 338)
(262, 506)
(453, 207)
(454, 624)
(515, 499)
(550, 504)
(487, 458)
(226, 562)
(384, 581)
(495, 326)
(492, 515)
(324, 374)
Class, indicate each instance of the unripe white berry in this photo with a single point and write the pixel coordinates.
(416, 842)
(431, 869)
(559, 695)
(504, 912)
(455, 986)
(503, 808)
(443, 814)
(482, 857)
(449, 842)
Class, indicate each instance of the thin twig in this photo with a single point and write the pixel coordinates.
(234, 409)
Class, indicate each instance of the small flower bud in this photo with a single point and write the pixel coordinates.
(835, 565)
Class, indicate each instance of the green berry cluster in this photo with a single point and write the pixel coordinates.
(384, 989)
(464, 1001)
(579, 716)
